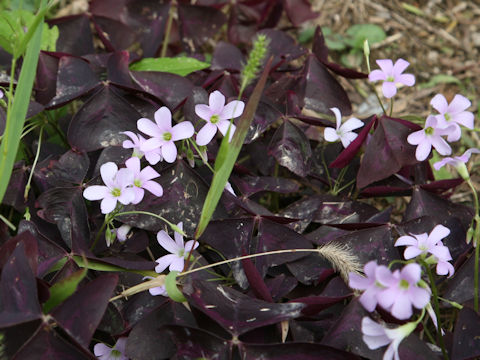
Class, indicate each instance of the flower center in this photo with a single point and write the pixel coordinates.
(137, 183)
(116, 192)
(404, 284)
(167, 136)
(447, 116)
(181, 253)
(214, 119)
(115, 353)
(429, 130)
(390, 79)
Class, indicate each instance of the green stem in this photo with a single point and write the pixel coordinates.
(108, 219)
(436, 309)
(27, 187)
(8, 223)
(172, 225)
(391, 108)
(378, 98)
(168, 29)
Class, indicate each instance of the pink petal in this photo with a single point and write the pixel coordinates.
(347, 138)
(123, 231)
(419, 296)
(386, 65)
(406, 240)
(203, 111)
(153, 157)
(351, 124)
(159, 290)
(148, 173)
(177, 264)
(416, 137)
(127, 196)
(163, 118)
(464, 118)
(423, 150)
(169, 152)
(182, 131)
(402, 307)
(444, 268)
(189, 244)
(338, 116)
(121, 344)
(216, 101)
(387, 297)
(441, 145)
(134, 165)
(411, 252)
(377, 75)
(139, 194)
(152, 144)
(149, 127)
(358, 282)
(411, 272)
(232, 110)
(155, 188)
(167, 242)
(389, 89)
(406, 79)
(164, 262)
(178, 237)
(439, 164)
(438, 233)
(108, 204)
(369, 300)
(125, 177)
(330, 134)
(399, 67)
(454, 132)
(439, 103)
(458, 104)
(108, 171)
(371, 328)
(101, 349)
(206, 134)
(223, 127)
(95, 192)
(441, 252)
(391, 352)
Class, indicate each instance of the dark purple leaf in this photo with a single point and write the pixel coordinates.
(70, 169)
(182, 202)
(114, 34)
(281, 285)
(30, 245)
(386, 152)
(345, 335)
(297, 351)
(299, 11)
(265, 116)
(18, 290)
(46, 79)
(250, 185)
(128, 261)
(66, 208)
(227, 57)
(46, 344)
(466, 337)
(100, 121)
(349, 153)
(118, 71)
(321, 51)
(14, 195)
(312, 269)
(197, 96)
(442, 186)
(74, 79)
(195, 343)
(282, 47)
(140, 305)
(315, 304)
(198, 24)
(291, 148)
(461, 287)
(75, 36)
(257, 285)
(149, 337)
(171, 89)
(235, 312)
(239, 233)
(81, 313)
(321, 91)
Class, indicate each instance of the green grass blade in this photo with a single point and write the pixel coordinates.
(228, 155)
(61, 290)
(18, 111)
(179, 65)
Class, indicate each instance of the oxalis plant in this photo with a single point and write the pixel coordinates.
(178, 182)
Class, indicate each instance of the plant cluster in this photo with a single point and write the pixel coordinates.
(281, 248)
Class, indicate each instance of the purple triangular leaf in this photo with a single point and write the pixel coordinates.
(466, 337)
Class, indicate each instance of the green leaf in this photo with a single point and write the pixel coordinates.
(61, 290)
(172, 289)
(332, 40)
(10, 31)
(306, 35)
(356, 35)
(228, 154)
(180, 65)
(439, 79)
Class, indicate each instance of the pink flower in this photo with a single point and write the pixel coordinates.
(142, 179)
(1, 94)
(344, 132)
(456, 161)
(136, 142)
(391, 75)
(104, 352)
(428, 137)
(369, 284)
(423, 244)
(118, 188)
(163, 134)
(217, 115)
(377, 336)
(402, 291)
(159, 290)
(453, 114)
(178, 251)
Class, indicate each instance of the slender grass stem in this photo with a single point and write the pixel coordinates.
(27, 187)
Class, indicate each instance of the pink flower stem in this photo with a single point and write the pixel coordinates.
(436, 305)
(475, 244)
(391, 106)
